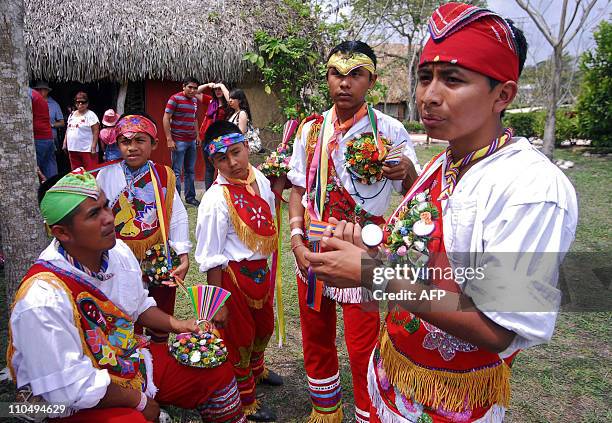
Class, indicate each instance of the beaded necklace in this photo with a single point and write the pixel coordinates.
(452, 170)
(101, 275)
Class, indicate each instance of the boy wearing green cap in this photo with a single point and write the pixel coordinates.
(78, 304)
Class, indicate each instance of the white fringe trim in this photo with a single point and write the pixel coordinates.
(384, 414)
(342, 295)
(151, 390)
(495, 414)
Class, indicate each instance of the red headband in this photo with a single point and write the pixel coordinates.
(474, 38)
(130, 125)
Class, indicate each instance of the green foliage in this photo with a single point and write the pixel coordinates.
(291, 64)
(566, 125)
(594, 109)
(524, 124)
(414, 127)
(531, 124)
(377, 93)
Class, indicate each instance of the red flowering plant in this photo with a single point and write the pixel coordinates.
(363, 160)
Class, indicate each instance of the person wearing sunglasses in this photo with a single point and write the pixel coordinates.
(81, 139)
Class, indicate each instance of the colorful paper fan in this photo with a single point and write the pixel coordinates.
(394, 154)
(207, 300)
(317, 228)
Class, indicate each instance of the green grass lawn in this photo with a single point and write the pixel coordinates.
(567, 380)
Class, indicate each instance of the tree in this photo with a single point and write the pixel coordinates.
(21, 230)
(537, 79)
(594, 108)
(379, 21)
(566, 32)
(292, 63)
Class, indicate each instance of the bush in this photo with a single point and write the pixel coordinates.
(414, 127)
(531, 124)
(594, 109)
(524, 124)
(566, 125)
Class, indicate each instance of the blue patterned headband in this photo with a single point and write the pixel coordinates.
(220, 144)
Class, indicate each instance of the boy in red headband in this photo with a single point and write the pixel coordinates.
(149, 214)
(487, 224)
(235, 236)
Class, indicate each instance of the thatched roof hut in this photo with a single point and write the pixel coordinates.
(89, 40)
(393, 69)
(135, 52)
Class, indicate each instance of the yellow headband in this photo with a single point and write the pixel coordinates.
(345, 63)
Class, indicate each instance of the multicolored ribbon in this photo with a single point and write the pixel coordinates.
(452, 170)
(160, 205)
(276, 277)
(317, 228)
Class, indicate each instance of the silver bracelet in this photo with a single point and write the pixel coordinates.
(143, 402)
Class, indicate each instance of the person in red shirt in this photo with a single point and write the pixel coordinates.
(181, 129)
(217, 109)
(43, 136)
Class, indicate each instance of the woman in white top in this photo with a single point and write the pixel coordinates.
(240, 108)
(241, 117)
(81, 140)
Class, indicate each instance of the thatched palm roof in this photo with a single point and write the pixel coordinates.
(394, 71)
(87, 40)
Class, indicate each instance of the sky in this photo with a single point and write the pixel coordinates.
(539, 48)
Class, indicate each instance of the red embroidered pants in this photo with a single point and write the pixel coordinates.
(213, 392)
(249, 326)
(321, 356)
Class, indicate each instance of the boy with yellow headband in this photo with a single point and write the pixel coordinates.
(71, 330)
(486, 225)
(149, 214)
(235, 236)
(338, 169)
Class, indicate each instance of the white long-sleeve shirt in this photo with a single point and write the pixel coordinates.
(389, 128)
(48, 349)
(111, 180)
(217, 241)
(514, 214)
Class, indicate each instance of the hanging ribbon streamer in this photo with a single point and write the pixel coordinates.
(276, 277)
(160, 205)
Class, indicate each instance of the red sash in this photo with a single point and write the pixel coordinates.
(422, 370)
(136, 221)
(107, 333)
(252, 219)
(252, 278)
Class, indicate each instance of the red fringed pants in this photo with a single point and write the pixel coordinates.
(250, 324)
(213, 392)
(321, 356)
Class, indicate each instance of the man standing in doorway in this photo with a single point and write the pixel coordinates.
(56, 117)
(181, 129)
(45, 149)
